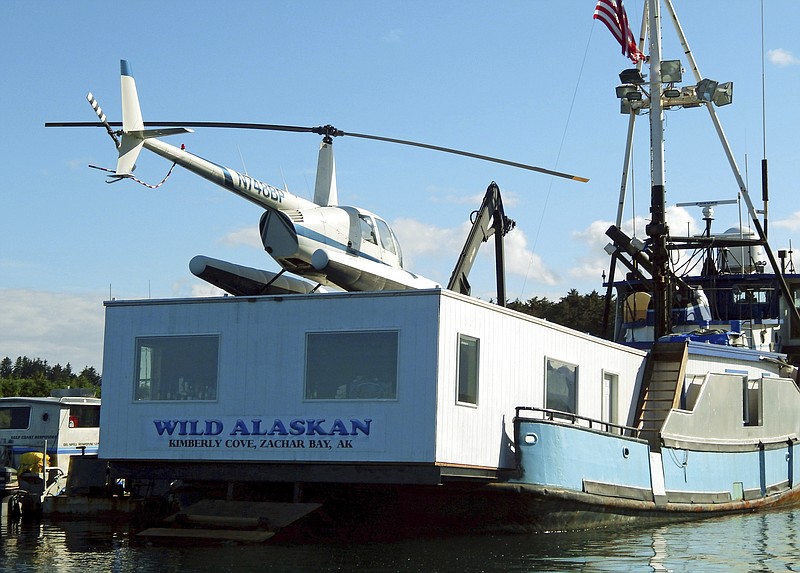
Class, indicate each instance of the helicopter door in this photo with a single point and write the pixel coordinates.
(369, 237)
(391, 248)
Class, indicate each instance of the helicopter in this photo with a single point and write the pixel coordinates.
(329, 245)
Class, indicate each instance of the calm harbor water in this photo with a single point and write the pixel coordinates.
(742, 543)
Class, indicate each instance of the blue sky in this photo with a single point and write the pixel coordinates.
(527, 81)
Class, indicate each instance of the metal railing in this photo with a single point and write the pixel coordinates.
(575, 419)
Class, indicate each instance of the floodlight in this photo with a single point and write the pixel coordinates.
(672, 93)
(631, 76)
(625, 89)
(723, 95)
(671, 71)
(705, 89)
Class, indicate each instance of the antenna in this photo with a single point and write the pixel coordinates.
(241, 157)
(764, 179)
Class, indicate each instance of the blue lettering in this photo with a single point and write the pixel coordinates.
(257, 428)
(339, 428)
(182, 426)
(359, 425)
(240, 428)
(213, 428)
(278, 428)
(314, 427)
(298, 427)
(165, 426)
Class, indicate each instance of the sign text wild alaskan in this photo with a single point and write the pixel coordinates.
(296, 433)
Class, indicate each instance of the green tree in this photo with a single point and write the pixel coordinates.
(579, 312)
(6, 368)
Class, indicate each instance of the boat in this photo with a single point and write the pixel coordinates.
(39, 436)
(714, 421)
(427, 411)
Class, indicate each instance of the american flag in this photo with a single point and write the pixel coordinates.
(612, 14)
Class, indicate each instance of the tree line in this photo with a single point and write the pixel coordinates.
(579, 312)
(35, 377)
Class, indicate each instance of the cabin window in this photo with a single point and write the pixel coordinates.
(177, 368)
(751, 402)
(84, 416)
(367, 230)
(387, 241)
(15, 417)
(351, 365)
(561, 386)
(468, 353)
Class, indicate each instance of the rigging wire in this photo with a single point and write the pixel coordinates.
(558, 156)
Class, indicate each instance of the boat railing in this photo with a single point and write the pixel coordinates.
(575, 419)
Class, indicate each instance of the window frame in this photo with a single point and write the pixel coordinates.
(575, 383)
(11, 418)
(214, 380)
(371, 379)
(472, 385)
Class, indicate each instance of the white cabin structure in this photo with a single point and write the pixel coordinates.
(372, 387)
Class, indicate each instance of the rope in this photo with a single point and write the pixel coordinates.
(132, 178)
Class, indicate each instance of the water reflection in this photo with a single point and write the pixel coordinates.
(743, 543)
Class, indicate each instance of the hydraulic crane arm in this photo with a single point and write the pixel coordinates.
(490, 219)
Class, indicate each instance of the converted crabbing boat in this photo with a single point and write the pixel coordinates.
(432, 411)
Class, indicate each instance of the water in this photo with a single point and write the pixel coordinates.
(744, 543)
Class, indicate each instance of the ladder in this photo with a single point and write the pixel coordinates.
(661, 389)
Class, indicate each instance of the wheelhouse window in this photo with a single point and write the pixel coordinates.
(751, 402)
(177, 367)
(84, 416)
(561, 386)
(351, 365)
(15, 417)
(468, 362)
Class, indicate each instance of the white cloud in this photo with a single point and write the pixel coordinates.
(247, 236)
(206, 290)
(595, 262)
(427, 247)
(524, 263)
(792, 223)
(422, 241)
(781, 57)
(55, 327)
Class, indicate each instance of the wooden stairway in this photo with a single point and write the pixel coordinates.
(661, 388)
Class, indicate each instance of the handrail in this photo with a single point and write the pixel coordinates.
(575, 419)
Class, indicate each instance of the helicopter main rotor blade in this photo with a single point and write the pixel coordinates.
(469, 154)
(215, 124)
(328, 131)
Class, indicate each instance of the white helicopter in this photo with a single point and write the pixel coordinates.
(334, 246)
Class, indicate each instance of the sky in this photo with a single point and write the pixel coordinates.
(529, 81)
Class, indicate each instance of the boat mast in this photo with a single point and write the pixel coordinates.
(761, 231)
(629, 141)
(657, 229)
